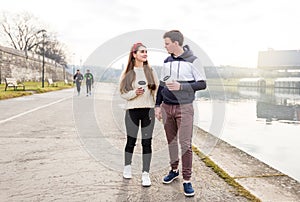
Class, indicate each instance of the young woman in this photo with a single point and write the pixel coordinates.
(138, 86)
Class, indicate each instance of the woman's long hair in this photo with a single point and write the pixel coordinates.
(128, 76)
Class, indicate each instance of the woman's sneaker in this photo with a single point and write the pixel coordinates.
(170, 177)
(127, 172)
(188, 189)
(146, 182)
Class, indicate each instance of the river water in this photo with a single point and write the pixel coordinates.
(264, 123)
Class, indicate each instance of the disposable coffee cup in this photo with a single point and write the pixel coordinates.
(142, 84)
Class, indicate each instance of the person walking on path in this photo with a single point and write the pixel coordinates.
(138, 86)
(89, 78)
(181, 76)
(78, 77)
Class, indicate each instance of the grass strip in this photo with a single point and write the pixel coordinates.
(30, 88)
(227, 178)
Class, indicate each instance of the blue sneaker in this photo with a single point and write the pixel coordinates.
(188, 189)
(170, 177)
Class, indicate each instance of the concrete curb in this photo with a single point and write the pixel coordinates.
(263, 181)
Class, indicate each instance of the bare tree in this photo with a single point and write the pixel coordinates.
(24, 32)
(53, 50)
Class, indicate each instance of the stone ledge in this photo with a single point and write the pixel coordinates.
(263, 181)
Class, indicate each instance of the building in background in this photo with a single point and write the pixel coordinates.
(279, 63)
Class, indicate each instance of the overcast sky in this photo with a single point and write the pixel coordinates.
(231, 32)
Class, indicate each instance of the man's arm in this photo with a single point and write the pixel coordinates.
(197, 85)
(159, 97)
(159, 100)
(199, 77)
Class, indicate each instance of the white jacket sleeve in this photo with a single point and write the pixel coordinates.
(129, 95)
(198, 71)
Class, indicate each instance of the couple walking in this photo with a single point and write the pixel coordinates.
(170, 99)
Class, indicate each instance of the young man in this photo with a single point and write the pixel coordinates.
(89, 78)
(182, 75)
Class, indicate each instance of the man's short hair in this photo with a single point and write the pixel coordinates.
(175, 35)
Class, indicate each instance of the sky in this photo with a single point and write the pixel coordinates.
(231, 32)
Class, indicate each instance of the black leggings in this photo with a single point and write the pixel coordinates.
(88, 87)
(78, 85)
(133, 119)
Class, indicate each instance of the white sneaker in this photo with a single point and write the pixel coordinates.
(127, 172)
(146, 182)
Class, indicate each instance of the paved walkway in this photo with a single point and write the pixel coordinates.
(61, 147)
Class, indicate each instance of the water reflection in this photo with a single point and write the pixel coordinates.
(264, 122)
(272, 104)
(272, 112)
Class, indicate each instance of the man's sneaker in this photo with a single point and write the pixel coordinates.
(170, 177)
(188, 189)
(127, 172)
(146, 182)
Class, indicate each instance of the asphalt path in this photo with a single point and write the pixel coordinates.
(58, 146)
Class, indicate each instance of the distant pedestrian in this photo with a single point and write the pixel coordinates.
(89, 78)
(78, 77)
(138, 86)
(181, 76)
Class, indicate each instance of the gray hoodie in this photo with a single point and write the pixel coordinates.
(185, 69)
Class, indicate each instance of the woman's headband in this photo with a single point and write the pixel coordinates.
(135, 46)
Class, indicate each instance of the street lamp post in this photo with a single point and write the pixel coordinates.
(0, 73)
(64, 67)
(64, 72)
(43, 67)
